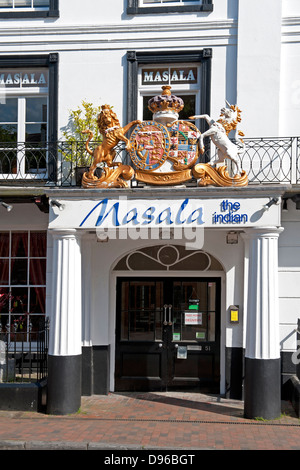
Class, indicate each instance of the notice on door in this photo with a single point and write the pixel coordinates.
(191, 317)
(182, 352)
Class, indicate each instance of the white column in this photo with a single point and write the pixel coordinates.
(65, 327)
(262, 355)
(263, 314)
(64, 378)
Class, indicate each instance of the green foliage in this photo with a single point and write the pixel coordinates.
(81, 119)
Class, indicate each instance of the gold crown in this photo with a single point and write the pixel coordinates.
(166, 102)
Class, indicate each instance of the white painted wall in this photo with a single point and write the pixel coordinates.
(290, 69)
(290, 84)
(258, 74)
(95, 76)
(290, 8)
(23, 217)
(100, 12)
(289, 277)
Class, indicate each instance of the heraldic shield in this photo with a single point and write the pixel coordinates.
(163, 153)
(150, 145)
(184, 149)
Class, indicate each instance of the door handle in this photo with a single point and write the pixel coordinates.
(165, 314)
(170, 320)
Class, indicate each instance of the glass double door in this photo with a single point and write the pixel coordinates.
(168, 334)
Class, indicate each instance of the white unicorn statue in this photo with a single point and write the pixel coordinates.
(218, 132)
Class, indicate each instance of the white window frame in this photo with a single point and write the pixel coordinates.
(179, 90)
(21, 95)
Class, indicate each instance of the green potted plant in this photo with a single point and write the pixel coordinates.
(82, 118)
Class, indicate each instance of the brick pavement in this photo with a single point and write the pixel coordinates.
(170, 421)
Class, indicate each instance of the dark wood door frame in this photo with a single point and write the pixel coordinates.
(154, 365)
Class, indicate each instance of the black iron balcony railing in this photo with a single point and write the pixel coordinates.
(266, 160)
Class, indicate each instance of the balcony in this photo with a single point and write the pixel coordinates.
(265, 160)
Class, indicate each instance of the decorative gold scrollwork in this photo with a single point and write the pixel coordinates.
(110, 178)
(164, 179)
(210, 176)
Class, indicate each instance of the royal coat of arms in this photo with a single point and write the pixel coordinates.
(165, 151)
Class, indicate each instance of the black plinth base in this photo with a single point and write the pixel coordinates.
(64, 384)
(262, 393)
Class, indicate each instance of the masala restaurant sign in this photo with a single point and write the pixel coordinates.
(17, 78)
(143, 213)
(169, 75)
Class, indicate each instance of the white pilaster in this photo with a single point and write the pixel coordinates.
(262, 336)
(65, 320)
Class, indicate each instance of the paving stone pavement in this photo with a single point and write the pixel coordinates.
(166, 421)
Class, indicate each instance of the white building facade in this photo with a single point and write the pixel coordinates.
(189, 286)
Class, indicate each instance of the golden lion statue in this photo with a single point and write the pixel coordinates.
(112, 132)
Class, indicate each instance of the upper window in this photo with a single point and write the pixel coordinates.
(25, 4)
(28, 116)
(28, 8)
(187, 72)
(145, 2)
(185, 80)
(23, 121)
(167, 6)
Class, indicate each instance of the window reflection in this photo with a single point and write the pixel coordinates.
(9, 110)
(193, 310)
(19, 271)
(141, 311)
(189, 107)
(36, 109)
(4, 300)
(19, 244)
